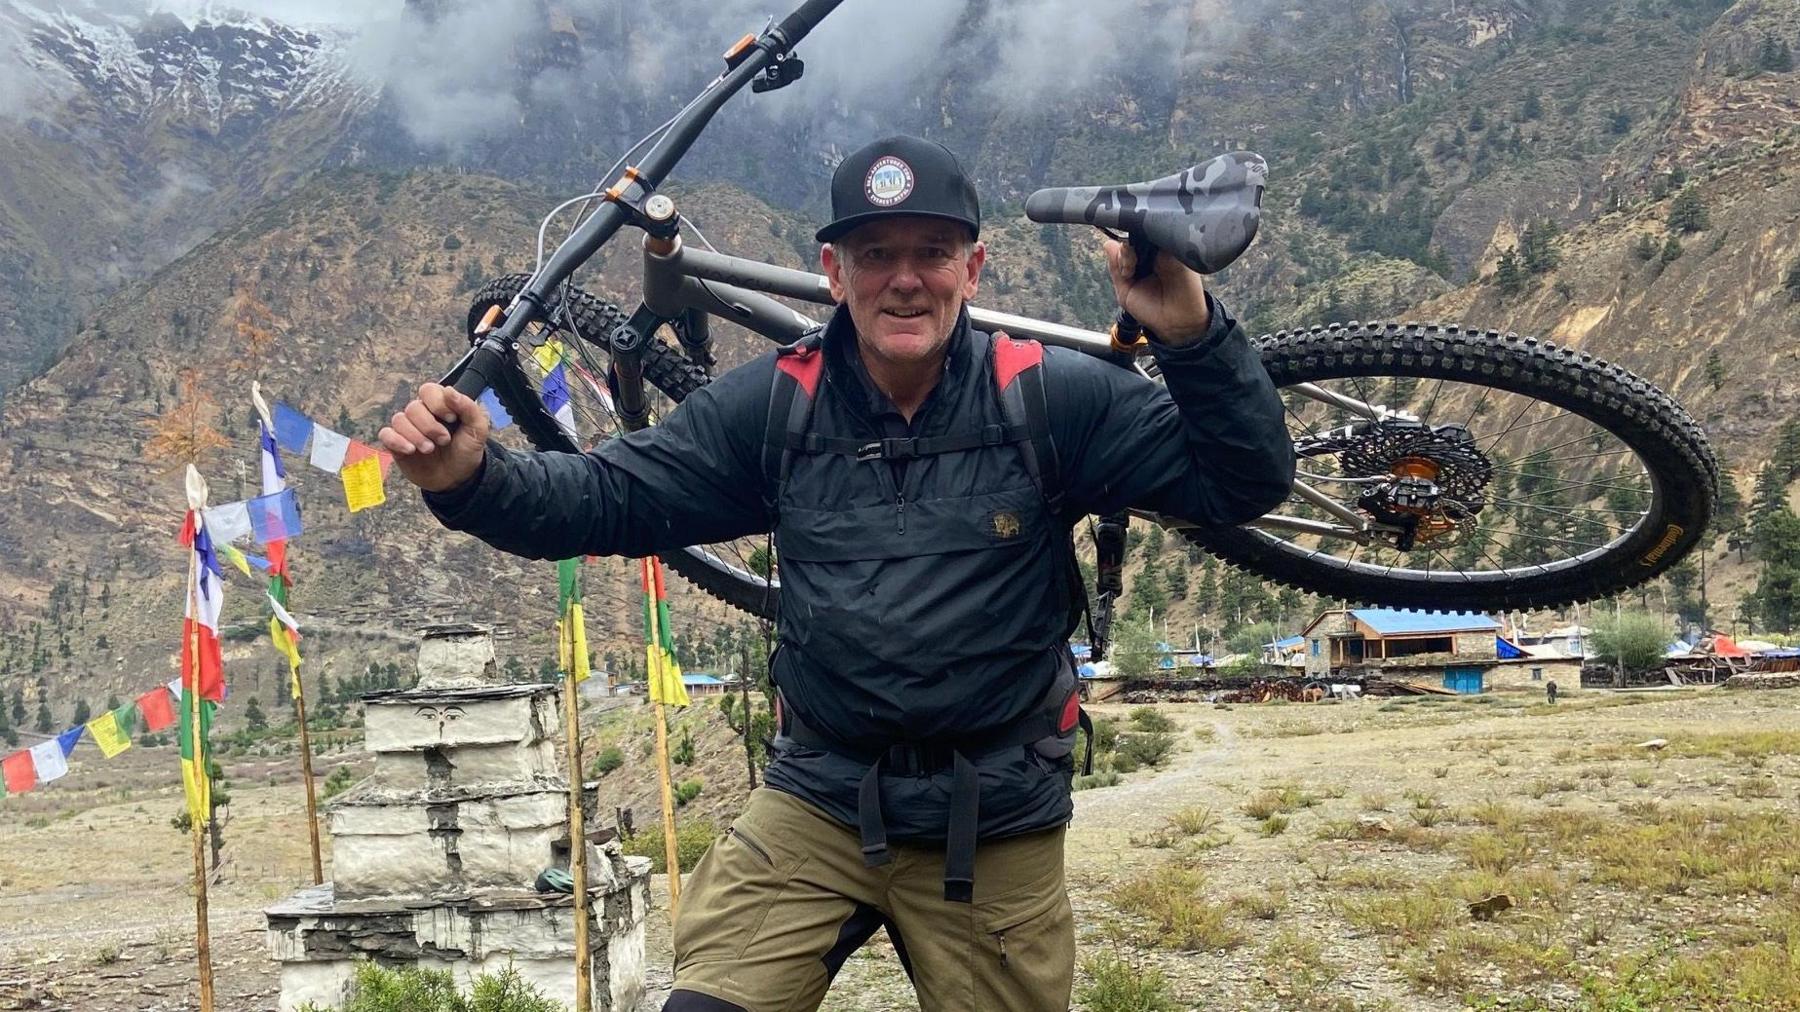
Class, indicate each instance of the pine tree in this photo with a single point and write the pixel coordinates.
(18, 705)
(1537, 256)
(1510, 274)
(1778, 590)
(82, 712)
(1715, 370)
(1153, 542)
(1773, 55)
(254, 717)
(44, 723)
(1645, 248)
(1532, 107)
(1791, 281)
(1671, 250)
(1177, 582)
(1687, 212)
(1787, 450)
(1206, 597)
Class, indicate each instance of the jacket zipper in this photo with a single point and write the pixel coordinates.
(900, 511)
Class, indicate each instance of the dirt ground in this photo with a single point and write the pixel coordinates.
(1284, 857)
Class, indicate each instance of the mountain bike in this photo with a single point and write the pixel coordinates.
(1441, 466)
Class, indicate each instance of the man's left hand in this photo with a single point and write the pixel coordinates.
(1170, 301)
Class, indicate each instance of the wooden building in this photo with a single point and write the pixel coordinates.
(1384, 637)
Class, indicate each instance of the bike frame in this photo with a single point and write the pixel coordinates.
(680, 281)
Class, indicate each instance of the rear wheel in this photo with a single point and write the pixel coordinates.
(1448, 468)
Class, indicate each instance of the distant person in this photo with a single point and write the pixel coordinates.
(1550, 692)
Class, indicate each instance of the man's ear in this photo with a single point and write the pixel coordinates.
(972, 280)
(834, 270)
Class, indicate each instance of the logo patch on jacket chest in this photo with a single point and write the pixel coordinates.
(1004, 524)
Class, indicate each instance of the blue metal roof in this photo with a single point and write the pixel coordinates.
(1291, 641)
(700, 680)
(1392, 622)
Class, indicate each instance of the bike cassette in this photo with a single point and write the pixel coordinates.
(1427, 480)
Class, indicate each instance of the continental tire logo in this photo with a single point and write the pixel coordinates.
(1661, 548)
(1005, 526)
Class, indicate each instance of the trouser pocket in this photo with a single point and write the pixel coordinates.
(724, 902)
(1025, 949)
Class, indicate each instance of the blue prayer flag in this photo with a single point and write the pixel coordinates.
(292, 429)
(496, 411)
(275, 517)
(68, 738)
(556, 390)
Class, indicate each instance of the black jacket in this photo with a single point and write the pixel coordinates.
(907, 613)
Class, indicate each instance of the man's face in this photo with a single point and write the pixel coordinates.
(905, 280)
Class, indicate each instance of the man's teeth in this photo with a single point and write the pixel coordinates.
(906, 313)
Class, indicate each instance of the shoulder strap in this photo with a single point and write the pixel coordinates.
(794, 388)
(1019, 382)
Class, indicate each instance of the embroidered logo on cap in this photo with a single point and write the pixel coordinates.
(889, 182)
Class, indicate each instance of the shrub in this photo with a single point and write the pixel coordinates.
(606, 760)
(1114, 985)
(1149, 718)
(687, 791)
(415, 990)
(691, 842)
(684, 749)
(1147, 748)
(1634, 637)
(339, 781)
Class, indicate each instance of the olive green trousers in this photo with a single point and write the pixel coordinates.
(777, 905)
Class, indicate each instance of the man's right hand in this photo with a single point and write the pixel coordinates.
(428, 452)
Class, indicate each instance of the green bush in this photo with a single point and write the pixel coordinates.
(691, 842)
(1149, 718)
(339, 781)
(1114, 985)
(1636, 637)
(684, 749)
(687, 791)
(1145, 748)
(415, 990)
(606, 760)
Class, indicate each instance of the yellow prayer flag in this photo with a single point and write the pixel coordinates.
(106, 734)
(571, 642)
(548, 354)
(236, 558)
(362, 484)
(285, 646)
(664, 671)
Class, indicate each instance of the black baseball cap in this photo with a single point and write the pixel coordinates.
(900, 176)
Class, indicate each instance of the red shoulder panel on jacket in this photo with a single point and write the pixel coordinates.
(805, 366)
(1012, 357)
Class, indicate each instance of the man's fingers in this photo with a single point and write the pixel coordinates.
(405, 431)
(427, 430)
(395, 443)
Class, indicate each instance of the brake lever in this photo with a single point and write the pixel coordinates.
(1127, 333)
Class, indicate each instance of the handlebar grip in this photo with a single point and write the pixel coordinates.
(806, 19)
(479, 371)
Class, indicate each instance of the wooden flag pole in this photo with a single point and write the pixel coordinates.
(306, 775)
(584, 962)
(655, 672)
(191, 685)
(296, 688)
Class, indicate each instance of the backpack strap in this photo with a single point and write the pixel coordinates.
(795, 386)
(1019, 382)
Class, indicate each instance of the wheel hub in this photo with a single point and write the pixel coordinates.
(1432, 478)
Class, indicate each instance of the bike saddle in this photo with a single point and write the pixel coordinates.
(1205, 216)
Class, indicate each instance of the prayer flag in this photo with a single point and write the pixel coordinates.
(571, 639)
(174, 688)
(195, 781)
(157, 709)
(328, 449)
(274, 482)
(69, 739)
(556, 400)
(281, 614)
(18, 772)
(275, 517)
(228, 522)
(664, 671)
(497, 414)
(106, 734)
(362, 484)
(291, 428)
(47, 757)
(549, 355)
(360, 450)
(235, 557)
(125, 717)
(202, 667)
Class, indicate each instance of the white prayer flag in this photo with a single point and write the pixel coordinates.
(228, 522)
(328, 449)
(174, 688)
(47, 756)
(282, 614)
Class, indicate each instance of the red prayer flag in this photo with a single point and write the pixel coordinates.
(19, 772)
(157, 708)
(363, 451)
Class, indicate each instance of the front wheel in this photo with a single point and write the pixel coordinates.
(1446, 468)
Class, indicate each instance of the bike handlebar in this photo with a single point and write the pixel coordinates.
(806, 19)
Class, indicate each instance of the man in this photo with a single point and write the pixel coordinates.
(923, 764)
